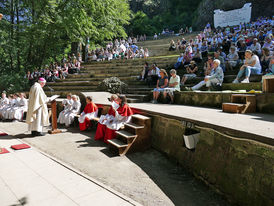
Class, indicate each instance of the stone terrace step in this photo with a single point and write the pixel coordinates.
(72, 88)
(242, 86)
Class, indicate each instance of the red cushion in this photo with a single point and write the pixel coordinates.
(3, 151)
(20, 146)
(3, 133)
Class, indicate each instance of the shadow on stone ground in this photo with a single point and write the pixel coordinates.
(149, 178)
(177, 183)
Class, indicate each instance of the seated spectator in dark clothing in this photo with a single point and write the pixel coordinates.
(191, 70)
(153, 75)
(265, 59)
(241, 49)
(197, 56)
(144, 72)
(204, 49)
(162, 83)
(226, 45)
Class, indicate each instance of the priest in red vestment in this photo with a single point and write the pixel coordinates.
(119, 114)
(90, 112)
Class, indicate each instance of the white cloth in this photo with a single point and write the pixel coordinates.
(88, 115)
(37, 115)
(114, 123)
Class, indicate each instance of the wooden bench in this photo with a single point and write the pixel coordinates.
(240, 103)
(268, 84)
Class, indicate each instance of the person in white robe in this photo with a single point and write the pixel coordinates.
(67, 103)
(4, 102)
(37, 114)
(17, 112)
(12, 103)
(73, 111)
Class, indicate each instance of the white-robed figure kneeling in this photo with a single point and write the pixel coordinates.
(72, 112)
(4, 102)
(67, 103)
(17, 112)
(37, 114)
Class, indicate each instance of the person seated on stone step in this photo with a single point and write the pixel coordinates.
(89, 113)
(216, 77)
(172, 46)
(180, 61)
(221, 59)
(251, 66)
(174, 85)
(232, 58)
(21, 107)
(144, 72)
(72, 112)
(4, 102)
(119, 115)
(162, 83)
(153, 75)
(265, 59)
(191, 70)
(66, 103)
(256, 47)
(208, 66)
(12, 104)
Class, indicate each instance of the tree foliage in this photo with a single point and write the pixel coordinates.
(161, 14)
(36, 32)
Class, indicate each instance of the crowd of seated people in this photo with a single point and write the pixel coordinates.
(13, 107)
(119, 49)
(250, 45)
(57, 70)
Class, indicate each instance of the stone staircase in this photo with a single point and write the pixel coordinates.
(93, 73)
(135, 136)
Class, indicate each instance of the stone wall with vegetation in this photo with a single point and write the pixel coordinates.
(243, 170)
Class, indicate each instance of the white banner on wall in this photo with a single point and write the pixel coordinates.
(233, 17)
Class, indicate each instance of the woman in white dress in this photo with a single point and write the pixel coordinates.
(67, 105)
(73, 111)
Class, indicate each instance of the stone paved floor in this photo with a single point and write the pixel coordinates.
(28, 177)
(148, 178)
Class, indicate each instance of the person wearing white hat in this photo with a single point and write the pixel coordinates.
(37, 114)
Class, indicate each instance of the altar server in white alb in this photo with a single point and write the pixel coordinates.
(12, 104)
(73, 111)
(4, 102)
(37, 115)
(67, 103)
(17, 112)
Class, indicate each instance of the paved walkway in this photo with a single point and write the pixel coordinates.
(29, 177)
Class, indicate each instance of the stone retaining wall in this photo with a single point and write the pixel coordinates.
(243, 170)
(264, 102)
